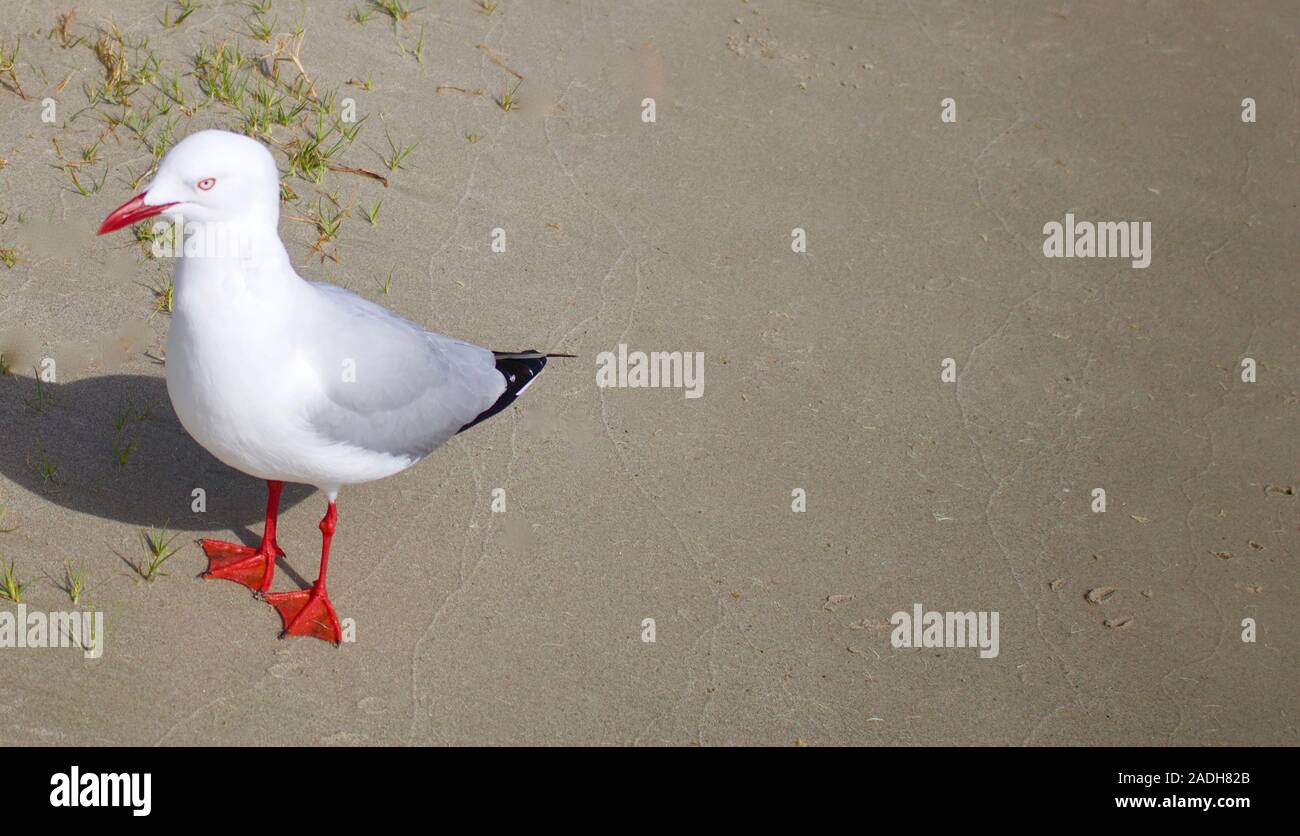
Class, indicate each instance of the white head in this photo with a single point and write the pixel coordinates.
(210, 176)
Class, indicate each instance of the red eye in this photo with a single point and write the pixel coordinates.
(207, 183)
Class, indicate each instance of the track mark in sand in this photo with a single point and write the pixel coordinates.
(461, 581)
(414, 525)
(464, 579)
(711, 688)
(686, 691)
(961, 401)
(597, 212)
(631, 318)
(624, 464)
(455, 218)
(1192, 576)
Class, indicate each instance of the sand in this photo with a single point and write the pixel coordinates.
(824, 372)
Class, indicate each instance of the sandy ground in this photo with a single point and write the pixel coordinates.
(823, 372)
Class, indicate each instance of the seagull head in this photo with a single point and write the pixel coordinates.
(210, 176)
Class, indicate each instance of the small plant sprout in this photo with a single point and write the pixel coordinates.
(41, 401)
(473, 138)
(122, 451)
(418, 51)
(89, 187)
(269, 110)
(262, 114)
(285, 49)
(387, 286)
(44, 467)
(158, 551)
(187, 8)
(220, 71)
(184, 8)
(310, 158)
(165, 296)
(9, 69)
(328, 220)
(144, 234)
(130, 416)
(60, 30)
(393, 8)
(488, 6)
(11, 589)
(162, 140)
(171, 88)
(266, 97)
(508, 100)
(350, 131)
(91, 154)
(8, 257)
(138, 124)
(372, 212)
(258, 28)
(74, 581)
(396, 156)
(118, 85)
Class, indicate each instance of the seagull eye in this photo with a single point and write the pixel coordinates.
(207, 183)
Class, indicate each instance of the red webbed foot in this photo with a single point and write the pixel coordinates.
(254, 568)
(307, 612)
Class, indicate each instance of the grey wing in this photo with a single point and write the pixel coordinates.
(389, 385)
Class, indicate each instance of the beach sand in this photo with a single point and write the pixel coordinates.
(823, 374)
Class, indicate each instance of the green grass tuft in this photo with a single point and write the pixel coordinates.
(11, 588)
(74, 581)
(509, 101)
(394, 9)
(397, 155)
(158, 551)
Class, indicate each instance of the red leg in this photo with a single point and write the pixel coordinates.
(254, 568)
(308, 612)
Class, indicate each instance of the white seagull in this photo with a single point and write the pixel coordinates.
(294, 381)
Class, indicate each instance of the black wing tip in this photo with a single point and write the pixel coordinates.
(519, 368)
(528, 355)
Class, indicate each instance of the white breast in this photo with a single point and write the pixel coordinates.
(239, 386)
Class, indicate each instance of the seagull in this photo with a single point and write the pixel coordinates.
(294, 381)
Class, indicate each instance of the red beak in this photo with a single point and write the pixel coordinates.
(128, 213)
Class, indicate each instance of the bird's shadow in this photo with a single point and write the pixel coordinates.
(112, 447)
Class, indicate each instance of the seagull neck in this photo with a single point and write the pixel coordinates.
(245, 244)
